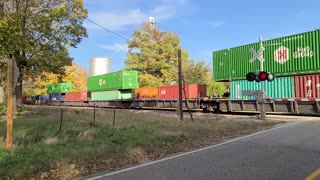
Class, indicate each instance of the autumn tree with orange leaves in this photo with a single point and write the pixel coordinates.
(74, 74)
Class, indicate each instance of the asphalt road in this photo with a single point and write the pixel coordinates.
(290, 151)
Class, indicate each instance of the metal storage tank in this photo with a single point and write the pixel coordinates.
(286, 56)
(99, 66)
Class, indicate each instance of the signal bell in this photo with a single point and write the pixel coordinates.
(259, 76)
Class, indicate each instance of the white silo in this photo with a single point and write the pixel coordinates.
(99, 66)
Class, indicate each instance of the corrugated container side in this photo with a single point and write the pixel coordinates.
(307, 86)
(56, 97)
(66, 87)
(111, 95)
(76, 96)
(196, 90)
(282, 87)
(113, 81)
(129, 80)
(172, 92)
(291, 55)
(169, 92)
(146, 93)
(59, 88)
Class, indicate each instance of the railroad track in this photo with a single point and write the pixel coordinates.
(154, 106)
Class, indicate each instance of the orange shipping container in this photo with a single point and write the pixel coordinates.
(146, 93)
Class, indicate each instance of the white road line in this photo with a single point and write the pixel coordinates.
(190, 152)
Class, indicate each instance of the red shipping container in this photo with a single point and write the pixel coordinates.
(192, 91)
(77, 96)
(307, 86)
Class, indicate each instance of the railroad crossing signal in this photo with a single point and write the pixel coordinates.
(256, 55)
(259, 76)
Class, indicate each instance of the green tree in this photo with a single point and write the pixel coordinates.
(153, 53)
(38, 33)
(74, 74)
(216, 88)
(195, 73)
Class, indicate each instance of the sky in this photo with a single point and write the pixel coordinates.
(203, 26)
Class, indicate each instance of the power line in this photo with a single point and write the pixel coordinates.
(108, 30)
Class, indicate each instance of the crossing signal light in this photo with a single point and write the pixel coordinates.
(259, 76)
(251, 76)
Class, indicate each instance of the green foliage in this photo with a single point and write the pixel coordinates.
(216, 88)
(153, 53)
(3, 109)
(37, 34)
(195, 73)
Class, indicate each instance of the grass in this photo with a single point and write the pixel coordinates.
(83, 147)
(3, 110)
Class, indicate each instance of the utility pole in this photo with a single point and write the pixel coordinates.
(10, 103)
(180, 86)
(263, 111)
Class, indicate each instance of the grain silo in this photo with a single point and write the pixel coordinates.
(99, 66)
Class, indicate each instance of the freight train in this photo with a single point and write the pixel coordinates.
(120, 85)
(294, 60)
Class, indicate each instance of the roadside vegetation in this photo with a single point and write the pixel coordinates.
(3, 109)
(84, 146)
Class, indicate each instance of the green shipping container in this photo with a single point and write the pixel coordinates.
(59, 88)
(111, 95)
(112, 81)
(292, 55)
(282, 87)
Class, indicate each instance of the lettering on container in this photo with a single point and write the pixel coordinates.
(102, 82)
(281, 55)
(163, 91)
(149, 97)
(309, 94)
(303, 52)
(308, 83)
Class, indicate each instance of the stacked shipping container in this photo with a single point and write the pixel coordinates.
(292, 55)
(288, 57)
(278, 88)
(112, 86)
(307, 86)
(57, 91)
(57, 88)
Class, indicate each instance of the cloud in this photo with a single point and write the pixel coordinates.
(118, 18)
(216, 24)
(115, 47)
(116, 21)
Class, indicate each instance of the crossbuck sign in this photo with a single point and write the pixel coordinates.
(256, 55)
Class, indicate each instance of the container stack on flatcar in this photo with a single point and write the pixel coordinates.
(294, 60)
(112, 86)
(58, 91)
